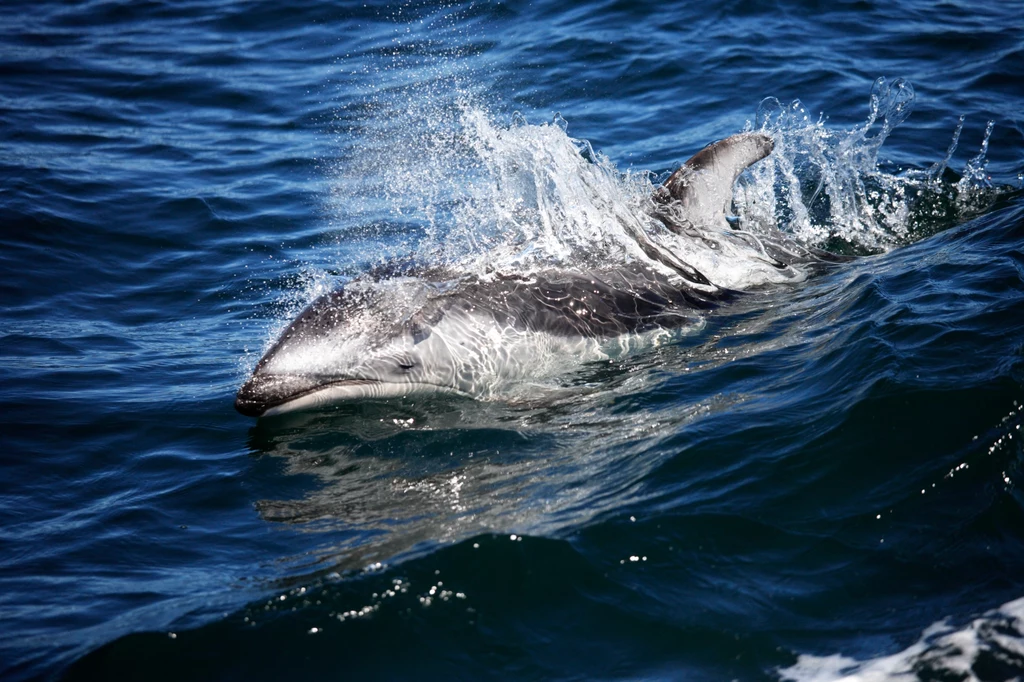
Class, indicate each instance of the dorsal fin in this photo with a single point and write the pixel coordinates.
(703, 185)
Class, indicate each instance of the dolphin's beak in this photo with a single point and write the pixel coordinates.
(264, 391)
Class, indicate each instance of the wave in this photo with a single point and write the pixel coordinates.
(989, 647)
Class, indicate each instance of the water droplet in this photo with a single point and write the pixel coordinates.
(769, 110)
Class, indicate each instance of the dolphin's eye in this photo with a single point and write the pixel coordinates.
(406, 364)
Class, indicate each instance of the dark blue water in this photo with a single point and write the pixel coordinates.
(823, 481)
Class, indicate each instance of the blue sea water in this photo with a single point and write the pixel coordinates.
(823, 481)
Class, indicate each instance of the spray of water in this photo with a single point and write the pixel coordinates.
(449, 186)
(825, 187)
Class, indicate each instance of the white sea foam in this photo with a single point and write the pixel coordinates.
(989, 647)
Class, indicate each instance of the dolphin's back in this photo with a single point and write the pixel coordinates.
(596, 304)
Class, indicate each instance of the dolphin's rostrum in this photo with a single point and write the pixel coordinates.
(392, 336)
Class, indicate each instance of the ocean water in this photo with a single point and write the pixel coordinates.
(820, 481)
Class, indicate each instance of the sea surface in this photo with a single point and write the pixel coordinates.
(822, 480)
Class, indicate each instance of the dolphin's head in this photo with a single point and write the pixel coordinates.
(348, 345)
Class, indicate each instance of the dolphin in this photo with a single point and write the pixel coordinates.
(388, 334)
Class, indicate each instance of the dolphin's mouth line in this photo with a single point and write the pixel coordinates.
(260, 408)
(252, 407)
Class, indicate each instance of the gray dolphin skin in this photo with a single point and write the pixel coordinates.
(389, 335)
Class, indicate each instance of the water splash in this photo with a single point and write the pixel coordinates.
(542, 199)
(827, 187)
(975, 179)
(939, 167)
(469, 194)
